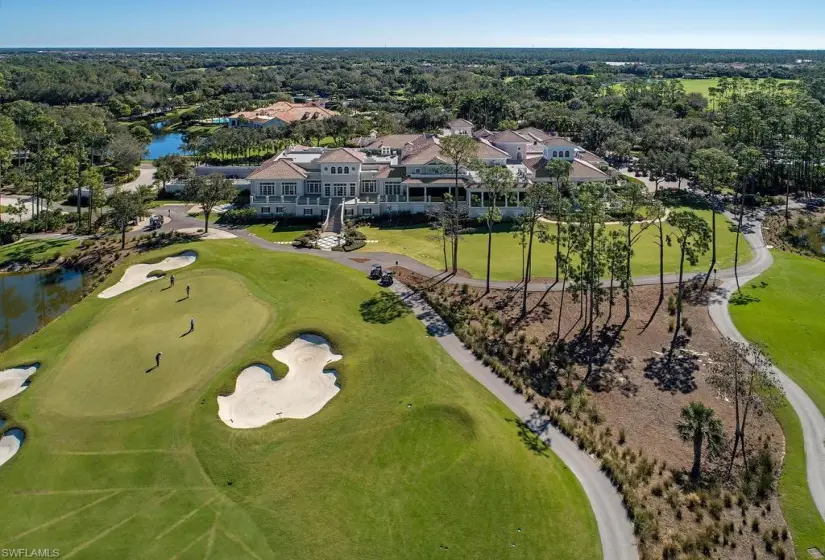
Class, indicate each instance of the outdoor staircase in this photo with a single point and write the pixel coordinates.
(335, 217)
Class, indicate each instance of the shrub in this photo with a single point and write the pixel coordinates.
(307, 240)
(671, 305)
(9, 232)
(240, 216)
(350, 245)
(622, 436)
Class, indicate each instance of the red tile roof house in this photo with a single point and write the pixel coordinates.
(406, 173)
(281, 113)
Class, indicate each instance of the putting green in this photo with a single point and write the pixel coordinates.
(104, 375)
(412, 459)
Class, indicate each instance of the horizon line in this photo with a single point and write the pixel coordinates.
(387, 47)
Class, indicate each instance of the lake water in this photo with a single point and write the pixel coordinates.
(31, 300)
(165, 145)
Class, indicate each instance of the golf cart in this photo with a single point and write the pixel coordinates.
(386, 279)
(155, 222)
(375, 272)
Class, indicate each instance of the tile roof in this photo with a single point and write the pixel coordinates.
(343, 155)
(459, 123)
(285, 112)
(589, 157)
(533, 133)
(488, 151)
(558, 141)
(426, 155)
(278, 169)
(509, 137)
(393, 141)
(580, 170)
(388, 172)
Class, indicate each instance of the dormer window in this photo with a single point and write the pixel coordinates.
(346, 170)
(333, 171)
(555, 153)
(567, 153)
(340, 170)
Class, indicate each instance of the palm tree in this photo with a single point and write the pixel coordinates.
(498, 182)
(461, 151)
(700, 426)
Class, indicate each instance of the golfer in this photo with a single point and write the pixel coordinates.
(187, 291)
(172, 280)
(157, 359)
(191, 325)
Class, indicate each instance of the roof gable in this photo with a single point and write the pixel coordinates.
(343, 155)
(278, 169)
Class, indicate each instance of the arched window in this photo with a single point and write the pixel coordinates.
(346, 170)
(340, 170)
(333, 171)
(555, 153)
(567, 153)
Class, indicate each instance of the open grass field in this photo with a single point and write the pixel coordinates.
(507, 252)
(701, 85)
(36, 250)
(412, 459)
(785, 314)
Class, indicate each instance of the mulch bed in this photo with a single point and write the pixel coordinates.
(640, 398)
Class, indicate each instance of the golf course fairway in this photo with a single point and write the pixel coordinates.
(411, 459)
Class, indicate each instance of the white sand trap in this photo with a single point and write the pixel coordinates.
(138, 274)
(10, 444)
(259, 399)
(15, 380)
(213, 233)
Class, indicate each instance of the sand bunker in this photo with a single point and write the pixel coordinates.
(138, 274)
(260, 399)
(213, 233)
(15, 380)
(10, 444)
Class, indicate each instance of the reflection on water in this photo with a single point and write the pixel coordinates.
(31, 300)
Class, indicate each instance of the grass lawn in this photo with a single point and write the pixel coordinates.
(120, 463)
(279, 233)
(507, 252)
(4, 209)
(701, 85)
(36, 250)
(786, 315)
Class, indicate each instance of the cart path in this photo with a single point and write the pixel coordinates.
(812, 420)
(615, 529)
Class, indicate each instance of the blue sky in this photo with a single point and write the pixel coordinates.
(789, 24)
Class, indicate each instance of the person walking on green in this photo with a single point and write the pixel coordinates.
(172, 281)
(157, 359)
(187, 291)
(192, 325)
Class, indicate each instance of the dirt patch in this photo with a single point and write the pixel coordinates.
(359, 260)
(631, 402)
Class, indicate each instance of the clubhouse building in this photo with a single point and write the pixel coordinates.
(409, 173)
(280, 114)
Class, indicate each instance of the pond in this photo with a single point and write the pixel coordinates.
(165, 145)
(31, 300)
